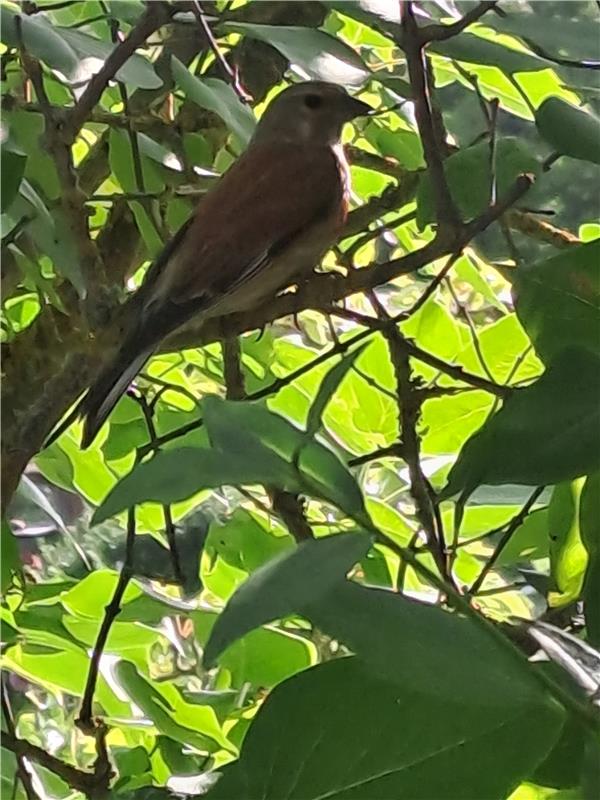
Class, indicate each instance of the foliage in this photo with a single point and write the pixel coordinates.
(312, 550)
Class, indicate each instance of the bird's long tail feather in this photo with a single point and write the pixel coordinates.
(104, 394)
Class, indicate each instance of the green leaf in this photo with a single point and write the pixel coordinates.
(319, 55)
(546, 433)
(136, 71)
(40, 39)
(186, 723)
(284, 585)
(469, 177)
(589, 526)
(329, 385)
(243, 542)
(262, 657)
(12, 168)
(120, 159)
(401, 641)
(476, 50)
(568, 556)
(9, 557)
(249, 428)
(570, 130)
(174, 475)
(558, 300)
(218, 97)
(337, 731)
(573, 38)
(562, 767)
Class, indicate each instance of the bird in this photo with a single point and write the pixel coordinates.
(269, 220)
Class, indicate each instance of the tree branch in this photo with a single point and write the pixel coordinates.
(85, 720)
(512, 526)
(439, 33)
(446, 212)
(157, 14)
(72, 199)
(75, 778)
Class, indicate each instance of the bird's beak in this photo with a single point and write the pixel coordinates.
(356, 108)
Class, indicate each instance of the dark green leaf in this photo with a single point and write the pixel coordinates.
(40, 39)
(337, 731)
(570, 130)
(469, 177)
(136, 71)
(561, 38)
(562, 768)
(11, 173)
(401, 640)
(174, 475)
(321, 56)
(558, 300)
(545, 433)
(218, 97)
(284, 585)
(251, 428)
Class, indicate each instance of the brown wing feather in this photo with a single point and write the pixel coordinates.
(272, 193)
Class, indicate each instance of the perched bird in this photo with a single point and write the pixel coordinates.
(270, 218)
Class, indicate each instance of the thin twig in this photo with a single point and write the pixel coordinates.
(170, 533)
(85, 721)
(157, 14)
(229, 73)
(512, 526)
(452, 370)
(391, 451)
(464, 312)
(431, 288)
(409, 410)
(446, 212)
(439, 33)
(22, 773)
(232, 368)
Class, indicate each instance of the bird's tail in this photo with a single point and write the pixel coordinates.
(103, 395)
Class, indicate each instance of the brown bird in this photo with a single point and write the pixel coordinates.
(270, 218)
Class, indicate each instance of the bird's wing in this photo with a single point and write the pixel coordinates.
(271, 195)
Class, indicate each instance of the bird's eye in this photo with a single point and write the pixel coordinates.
(313, 101)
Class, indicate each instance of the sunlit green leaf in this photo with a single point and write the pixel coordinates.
(545, 433)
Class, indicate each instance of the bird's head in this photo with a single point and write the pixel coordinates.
(309, 113)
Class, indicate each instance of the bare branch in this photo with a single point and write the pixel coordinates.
(439, 33)
(157, 13)
(85, 720)
(230, 74)
(446, 212)
(72, 199)
(512, 526)
(75, 778)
